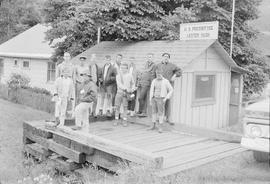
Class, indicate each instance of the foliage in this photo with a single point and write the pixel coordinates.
(18, 81)
(77, 22)
(18, 15)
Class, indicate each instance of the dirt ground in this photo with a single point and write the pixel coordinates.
(240, 168)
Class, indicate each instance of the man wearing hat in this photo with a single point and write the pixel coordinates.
(80, 70)
(87, 96)
(63, 93)
(169, 71)
(67, 66)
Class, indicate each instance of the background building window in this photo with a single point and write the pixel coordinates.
(51, 71)
(26, 64)
(15, 62)
(204, 89)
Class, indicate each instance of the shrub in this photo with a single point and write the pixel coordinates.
(18, 81)
(37, 90)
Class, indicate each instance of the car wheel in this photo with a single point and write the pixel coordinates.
(260, 156)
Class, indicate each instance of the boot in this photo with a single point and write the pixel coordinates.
(153, 127)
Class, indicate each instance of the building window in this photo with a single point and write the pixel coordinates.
(26, 64)
(204, 89)
(15, 62)
(51, 71)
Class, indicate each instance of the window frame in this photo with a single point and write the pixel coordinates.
(28, 64)
(17, 63)
(49, 71)
(204, 101)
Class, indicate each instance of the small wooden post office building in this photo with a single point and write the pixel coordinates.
(208, 94)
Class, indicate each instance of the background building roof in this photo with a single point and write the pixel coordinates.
(182, 52)
(29, 44)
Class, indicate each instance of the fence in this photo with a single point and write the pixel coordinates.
(28, 97)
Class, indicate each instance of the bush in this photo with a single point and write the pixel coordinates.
(18, 81)
(37, 90)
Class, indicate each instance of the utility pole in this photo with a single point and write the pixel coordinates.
(232, 25)
(98, 35)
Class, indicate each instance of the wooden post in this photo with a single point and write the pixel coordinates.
(231, 45)
(98, 35)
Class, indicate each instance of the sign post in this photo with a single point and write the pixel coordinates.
(199, 31)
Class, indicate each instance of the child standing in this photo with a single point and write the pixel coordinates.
(160, 91)
(87, 96)
(125, 86)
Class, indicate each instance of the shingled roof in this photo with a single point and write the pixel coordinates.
(182, 52)
(29, 44)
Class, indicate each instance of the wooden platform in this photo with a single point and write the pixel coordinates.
(106, 145)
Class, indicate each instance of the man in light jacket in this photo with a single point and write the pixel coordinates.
(160, 91)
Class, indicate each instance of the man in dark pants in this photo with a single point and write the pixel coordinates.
(170, 72)
(144, 83)
(109, 84)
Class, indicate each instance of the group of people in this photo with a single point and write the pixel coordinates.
(117, 84)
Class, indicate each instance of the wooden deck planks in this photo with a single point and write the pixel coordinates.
(111, 130)
(168, 144)
(115, 148)
(157, 139)
(200, 162)
(197, 155)
(150, 137)
(171, 153)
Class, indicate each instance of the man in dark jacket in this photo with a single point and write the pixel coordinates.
(144, 83)
(87, 96)
(170, 72)
(108, 83)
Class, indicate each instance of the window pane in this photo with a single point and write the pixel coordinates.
(53, 75)
(26, 64)
(205, 86)
(51, 71)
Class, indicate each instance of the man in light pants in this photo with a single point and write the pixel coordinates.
(64, 92)
(87, 96)
(160, 91)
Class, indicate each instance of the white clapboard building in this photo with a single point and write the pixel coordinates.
(209, 92)
(29, 54)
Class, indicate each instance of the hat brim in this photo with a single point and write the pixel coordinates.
(82, 58)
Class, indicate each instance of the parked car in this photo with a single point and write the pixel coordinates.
(256, 130)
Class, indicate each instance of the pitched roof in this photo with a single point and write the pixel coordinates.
(182, 51)
(29, 44)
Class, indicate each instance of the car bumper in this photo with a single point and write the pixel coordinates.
(258, 144)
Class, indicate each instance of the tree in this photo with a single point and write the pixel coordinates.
(77, 22)
(16, 16)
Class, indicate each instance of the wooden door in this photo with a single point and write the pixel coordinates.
(235, 98)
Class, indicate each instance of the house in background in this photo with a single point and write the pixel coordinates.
(209, 92)
(29, 54)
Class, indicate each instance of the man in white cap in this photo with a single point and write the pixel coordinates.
(87, 96)
(67, 66)
(64, 92)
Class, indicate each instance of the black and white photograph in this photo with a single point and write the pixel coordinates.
(134, 91)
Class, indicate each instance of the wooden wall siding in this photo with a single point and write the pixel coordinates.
(208, 116)
(37, 71)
